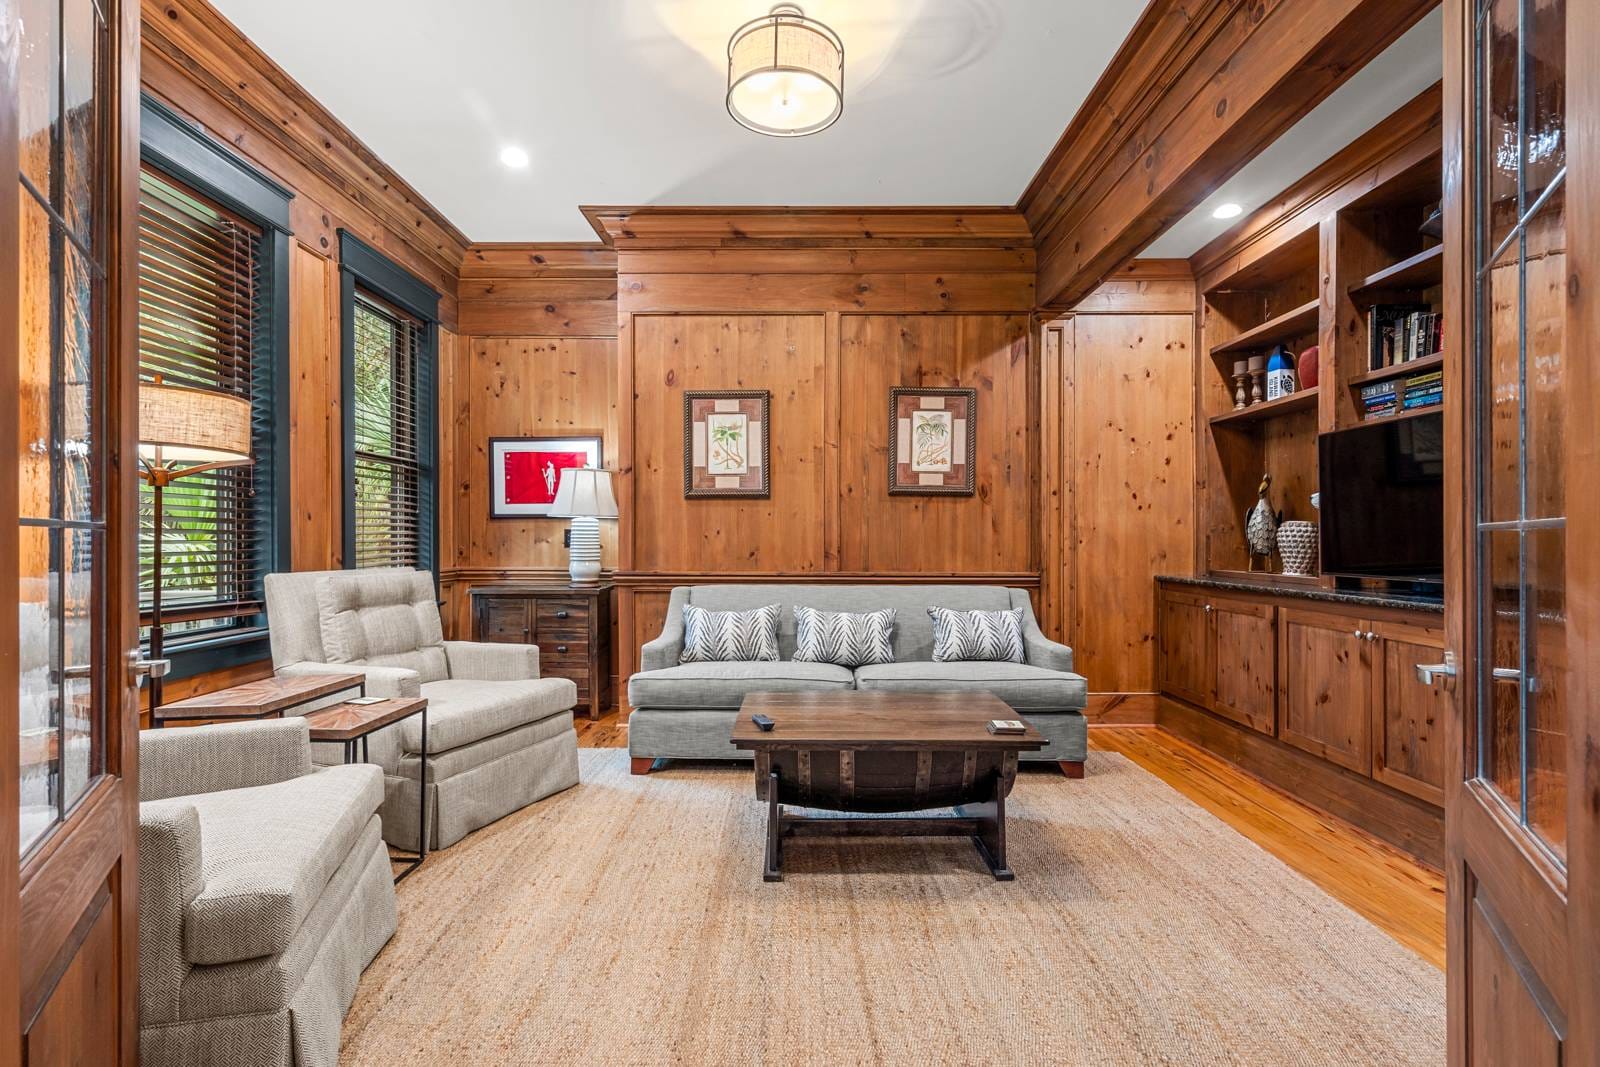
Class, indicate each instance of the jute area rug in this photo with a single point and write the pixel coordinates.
(625, 922)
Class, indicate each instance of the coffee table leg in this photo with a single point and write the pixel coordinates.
(774, 868)
(991, 836)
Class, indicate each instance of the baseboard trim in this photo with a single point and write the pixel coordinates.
(1121, 709)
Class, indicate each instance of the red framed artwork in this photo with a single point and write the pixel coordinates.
(525, 471)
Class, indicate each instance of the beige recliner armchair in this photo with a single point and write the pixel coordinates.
(499, 736)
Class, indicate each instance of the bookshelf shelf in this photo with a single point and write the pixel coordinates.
(1290, 324)
(1305, 400)
(1420, 271)
(1400, 370)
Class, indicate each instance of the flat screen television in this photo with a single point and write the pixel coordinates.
(1382, 499)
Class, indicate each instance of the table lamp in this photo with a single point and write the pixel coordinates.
(584, 496)
(182, 431)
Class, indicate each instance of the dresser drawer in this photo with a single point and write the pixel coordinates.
(569, 617)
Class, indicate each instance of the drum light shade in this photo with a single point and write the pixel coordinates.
(584, 492)
(178, 424)
(785, 74)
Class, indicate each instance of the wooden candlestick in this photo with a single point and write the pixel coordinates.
(1258, 378)
(1241, 383)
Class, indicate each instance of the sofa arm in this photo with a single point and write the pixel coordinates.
(381, 681)
(184, 761)
(491, 662)
(169, 880)
(664, 650)
(1040, 650)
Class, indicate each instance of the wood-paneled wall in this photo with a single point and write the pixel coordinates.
(198, 63)
(827, 309)
(537, 358)
(1118, 502)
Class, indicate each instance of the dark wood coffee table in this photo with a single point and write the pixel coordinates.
(871, 751)
(351, 724)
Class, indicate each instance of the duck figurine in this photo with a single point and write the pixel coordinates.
(1261, 526)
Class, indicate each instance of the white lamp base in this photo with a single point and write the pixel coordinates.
(584, 547)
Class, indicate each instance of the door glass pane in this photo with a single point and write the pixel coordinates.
(61, 652)
(1520, 356)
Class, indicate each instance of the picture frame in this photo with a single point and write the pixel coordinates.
(933, 439)
(524, 472)
(727, 443)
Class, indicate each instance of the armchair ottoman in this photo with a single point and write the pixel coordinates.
(499, 736)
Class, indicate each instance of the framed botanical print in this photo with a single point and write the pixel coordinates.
(933, 435)
(725, 447)
(524, 472)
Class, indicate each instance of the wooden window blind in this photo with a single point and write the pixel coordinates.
(202, 311)
(389, 345)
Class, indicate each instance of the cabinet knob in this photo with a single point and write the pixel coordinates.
(561, 614)
(1208, 609)
(1356, 633)
(1371, 636)
(561, 648)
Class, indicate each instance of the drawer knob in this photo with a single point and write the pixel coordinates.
(561, 648)
(561, 614)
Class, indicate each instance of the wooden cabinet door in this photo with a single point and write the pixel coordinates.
(1185, 638)
(505, 619)
(1408, 715)
(1325, 687)
(1244, 659)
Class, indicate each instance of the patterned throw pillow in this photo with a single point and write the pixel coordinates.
(977, 635)
(722, 636)
(842, 637)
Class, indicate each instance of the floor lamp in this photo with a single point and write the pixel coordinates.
(584, 496)
(183, 431)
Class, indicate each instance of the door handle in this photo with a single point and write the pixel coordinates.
(1429, 673)
(140, 668)
(1512, 674)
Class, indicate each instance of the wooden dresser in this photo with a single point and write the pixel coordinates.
(571, 624)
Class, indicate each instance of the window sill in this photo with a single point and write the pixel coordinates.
(211, 652)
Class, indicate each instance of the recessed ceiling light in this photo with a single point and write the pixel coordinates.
(1227, 211)
(514, 157)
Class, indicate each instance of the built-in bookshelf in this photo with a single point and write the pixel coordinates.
(1345, 261)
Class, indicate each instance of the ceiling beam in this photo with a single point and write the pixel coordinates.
(1197, 90)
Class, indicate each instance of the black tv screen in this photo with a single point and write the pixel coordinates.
(1382, 502)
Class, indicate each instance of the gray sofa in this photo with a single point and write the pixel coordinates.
(499, 736)
(264, 891)
(686, 710)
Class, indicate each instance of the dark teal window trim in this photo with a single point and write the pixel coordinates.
(363, 267)
(184, 153)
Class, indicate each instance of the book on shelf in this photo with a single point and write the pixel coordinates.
(1401, 333)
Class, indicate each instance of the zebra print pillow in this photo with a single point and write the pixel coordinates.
(844, 638)
(721, 636)
(977, 635)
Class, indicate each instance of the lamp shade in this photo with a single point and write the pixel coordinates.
(785, 74)
(584, 492)
(180, 424)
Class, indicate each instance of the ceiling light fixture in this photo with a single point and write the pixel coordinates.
(1227, 211)
(785, 74)
(514, 157)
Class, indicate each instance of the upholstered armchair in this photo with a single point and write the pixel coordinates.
(264, 891)
(499, 736)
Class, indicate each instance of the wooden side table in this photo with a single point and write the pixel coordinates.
(351, 724)
(257, 700)
(571, 624)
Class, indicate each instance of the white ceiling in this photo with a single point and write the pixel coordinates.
(621, 101)
(1376, 91)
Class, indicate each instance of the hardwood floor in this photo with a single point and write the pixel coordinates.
(1385, 886)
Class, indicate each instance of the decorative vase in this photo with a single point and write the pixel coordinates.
(1308, 367)
(1297, 547)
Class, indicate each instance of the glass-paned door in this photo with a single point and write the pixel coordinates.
(61, 367)
(1520, 278)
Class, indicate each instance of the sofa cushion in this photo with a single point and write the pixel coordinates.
(1018, 684)
(964, 636)
(383, 619)
(724, 685)
(461, 710)
(266, 853)
(729, 636)
(849, 639)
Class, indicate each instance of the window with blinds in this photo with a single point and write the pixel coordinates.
(388, 461)
(202, 322)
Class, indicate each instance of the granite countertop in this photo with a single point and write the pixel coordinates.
(1304, 592)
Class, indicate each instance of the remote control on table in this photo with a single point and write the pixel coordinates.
(762, 722)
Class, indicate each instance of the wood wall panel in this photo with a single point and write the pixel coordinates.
(315, 423)
(993, 530)
(780, 353)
